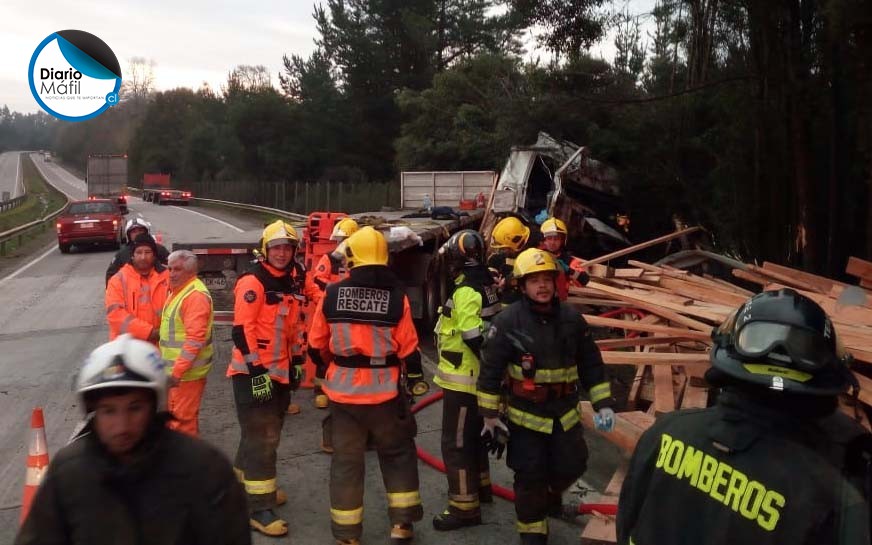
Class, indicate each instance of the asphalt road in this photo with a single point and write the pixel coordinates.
(51, 317)
(10, 170)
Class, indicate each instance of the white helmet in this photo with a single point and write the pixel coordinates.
(136, 223)
(124, 363)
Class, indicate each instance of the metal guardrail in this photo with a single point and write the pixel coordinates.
(12, 203)
(243, 206)
(19, 232)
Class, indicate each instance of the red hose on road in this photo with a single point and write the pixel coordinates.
(436, 463)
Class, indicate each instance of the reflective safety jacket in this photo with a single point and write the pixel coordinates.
(266, 323)
(501, 265)
(365, 322)
(570, 266)
(186, 332)
(327, 271)
(744, 472)
(460, 328)
(134, 302)
(560, 353)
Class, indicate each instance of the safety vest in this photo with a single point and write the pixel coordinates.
(369, 330)
(173, 338)
(462, 318)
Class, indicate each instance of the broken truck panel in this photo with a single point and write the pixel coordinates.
(558, 178)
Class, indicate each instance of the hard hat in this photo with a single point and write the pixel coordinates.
(554, 226)
(136, 223)
(464, 248)
(124, 363)
(277, 233)
(511, 233)
(343, 229)
(365, 247)
(784, 341)
(533, 260)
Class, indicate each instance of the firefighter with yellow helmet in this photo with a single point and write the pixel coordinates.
(265, 366)
(508, 238)
(546, 349)
(571, 269)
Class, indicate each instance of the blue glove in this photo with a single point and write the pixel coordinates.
(604, 420)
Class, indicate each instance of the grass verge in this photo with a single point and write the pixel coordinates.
(41, 199)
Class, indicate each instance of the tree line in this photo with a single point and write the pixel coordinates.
(750, 117)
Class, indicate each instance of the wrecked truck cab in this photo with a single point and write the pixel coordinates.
(558, 178)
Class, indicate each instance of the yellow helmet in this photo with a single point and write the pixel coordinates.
(278, 232)
(510, 233)
(554, 226)
(343, 229)
(365, 247)
(533, 260)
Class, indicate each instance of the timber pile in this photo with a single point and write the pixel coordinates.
(664, 316)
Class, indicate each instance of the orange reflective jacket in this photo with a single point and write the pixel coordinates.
(270, 321)
(134, 302)
(380, 342)
(319, 277)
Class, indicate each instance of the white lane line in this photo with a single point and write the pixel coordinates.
(17, 177)
(29, 265)
(222, 222)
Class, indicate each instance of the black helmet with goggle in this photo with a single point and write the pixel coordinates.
(784, 341)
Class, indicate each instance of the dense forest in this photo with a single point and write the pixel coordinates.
(752, 118)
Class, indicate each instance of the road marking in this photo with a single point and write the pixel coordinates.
(222, 222)
(17, 176)
(29, 265)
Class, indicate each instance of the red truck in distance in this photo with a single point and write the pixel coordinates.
(156, 189)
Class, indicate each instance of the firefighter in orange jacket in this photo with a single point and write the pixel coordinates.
(329, 269)
(571, 269)
(136, 294)
(186, 340)
(363, 327)
(264, 369)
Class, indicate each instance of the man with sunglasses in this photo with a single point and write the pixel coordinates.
(773, 461)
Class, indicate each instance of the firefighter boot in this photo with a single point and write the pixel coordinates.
(351, 541)
(447, 521)
(534, 539)
(281, 497)
(268, 523)
(320, 399)
(402, 534)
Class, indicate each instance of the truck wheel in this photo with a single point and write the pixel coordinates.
(433, 293)
(64, 248)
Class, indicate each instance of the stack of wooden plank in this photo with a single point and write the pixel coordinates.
(660, 320)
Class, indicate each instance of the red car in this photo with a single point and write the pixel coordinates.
(95, 221)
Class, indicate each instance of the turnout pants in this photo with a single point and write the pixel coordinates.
(545, 465)
(392, 429)
(466, 461)
(184, 404)
(260, 425)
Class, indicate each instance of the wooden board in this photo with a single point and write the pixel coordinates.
(637, 325)
(657, 359)
(612, 344)
(824, 284)
(703, 293)
(664, 396)
(602, 528)
(642, 246)
(629, 426)
(859, 268)
(629, 273)
(668, 310)
(695, 394)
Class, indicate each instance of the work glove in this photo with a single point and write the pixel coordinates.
(604, 420)
(416, 385)
(261, 386)
(296, 376)
(496, 436)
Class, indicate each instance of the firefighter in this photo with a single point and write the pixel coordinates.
(774, 461)
(134, 228)
(547, 349)
(507, 239)
(186, 340)
(125, 477)
(136, 294)
(554, 237)
(462, 322)
(264, 369)
(329, 269)
(363, 327)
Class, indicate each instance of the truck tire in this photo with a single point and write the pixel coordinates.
(433, 293)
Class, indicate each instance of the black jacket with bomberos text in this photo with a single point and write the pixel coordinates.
(743, 472)
(178, 490)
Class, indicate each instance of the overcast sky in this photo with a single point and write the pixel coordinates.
(190, 41)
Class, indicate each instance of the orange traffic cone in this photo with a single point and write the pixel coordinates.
(159, 237)
(37, 461)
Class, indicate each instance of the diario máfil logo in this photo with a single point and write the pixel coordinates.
(74, 75)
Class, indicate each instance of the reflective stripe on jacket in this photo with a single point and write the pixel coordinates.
(134, 302)
(186, 332)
